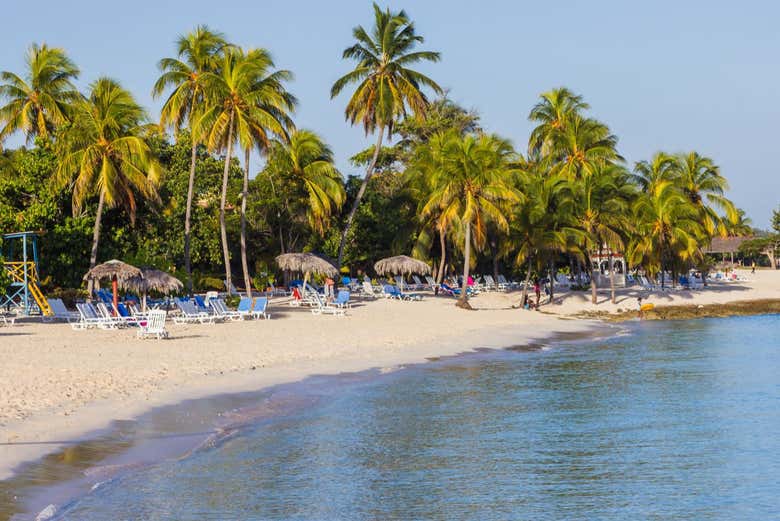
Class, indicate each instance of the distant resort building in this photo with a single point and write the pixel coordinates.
(603, 274)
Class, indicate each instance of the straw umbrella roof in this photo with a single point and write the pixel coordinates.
(113, 268)
(307, 263)
(154, 280)
(401, 265)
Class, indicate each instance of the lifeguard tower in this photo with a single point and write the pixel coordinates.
(20, 255)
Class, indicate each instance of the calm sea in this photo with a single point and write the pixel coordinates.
(670, 420)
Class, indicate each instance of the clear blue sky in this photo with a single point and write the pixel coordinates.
(665, 75)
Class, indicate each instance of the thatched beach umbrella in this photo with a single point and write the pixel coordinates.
(153, 280)
(401, 265)
(307, 263)
(116, 271)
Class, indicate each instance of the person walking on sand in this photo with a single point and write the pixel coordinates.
(639, 307)
(753, 265)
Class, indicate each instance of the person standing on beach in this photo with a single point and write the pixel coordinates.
(329, 283)
(639, 307)
(753, 270)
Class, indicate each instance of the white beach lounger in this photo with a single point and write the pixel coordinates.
(154, 325)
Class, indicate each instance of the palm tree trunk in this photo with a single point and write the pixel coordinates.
(593, 284)
(495, 261)
(442, 264)
(188, 210)
(552, 281)
(463, 301)
(96, 239)
(244, 192)
(524, 294)
(222, 202)
(360, 193)
(612, 277)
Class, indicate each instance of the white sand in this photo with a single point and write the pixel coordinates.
(57, 384)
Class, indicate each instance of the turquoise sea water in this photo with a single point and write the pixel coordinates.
(673, 420)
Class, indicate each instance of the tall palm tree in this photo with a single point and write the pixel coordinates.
(198, 52)
(38, 102)
(601, 213)
(308, 161)
(552, 113)
(542, 224)
(104, 153)
(666, 226)
(470, 188)
(582, 146)
(248, 104)
(661, 167)
(386, 88)
(704, 186)
(421, 177)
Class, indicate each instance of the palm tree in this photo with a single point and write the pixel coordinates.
(541, 224)
(469, 189)
(249, 104)
(306, 160)
(702, 183)
(666, 225)
(552, 113)
(197, 52)
(648, 174)
(601, 213)
(39, 102)
(426, 165)
(387, 89)
(105, 151)
(582, 146)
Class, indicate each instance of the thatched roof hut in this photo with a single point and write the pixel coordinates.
(154, 280)
(113, 269)
(401, 265)
(307, 263)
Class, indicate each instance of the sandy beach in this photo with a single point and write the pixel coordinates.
(57, 384)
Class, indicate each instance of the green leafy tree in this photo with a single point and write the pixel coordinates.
(307, 162)
(553, 113)
(39, 102)
(197, 53)
(105, 153)
(470, 188)
(386, 87)
(246, 103)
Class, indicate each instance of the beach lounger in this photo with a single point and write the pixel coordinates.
(108, 316)
(418, 284)
(222, 311)
(154, 325)
(369, 291)
(123, 313)
(502, 281)
(395, 293)
(59, 312)
(89, 318)
(342, 299)
(189, 314)
(323, 308)
(277, 292)
(491, 284)
(432, 285)
(260, 307)
(401, 283)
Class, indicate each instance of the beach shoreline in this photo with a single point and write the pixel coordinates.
(58, 385)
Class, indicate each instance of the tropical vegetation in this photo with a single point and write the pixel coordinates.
(176, 192)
